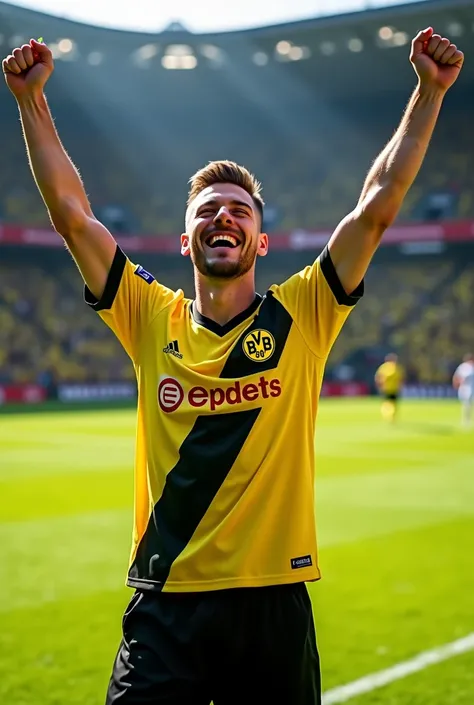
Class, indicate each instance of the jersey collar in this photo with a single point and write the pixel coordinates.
(216, 328)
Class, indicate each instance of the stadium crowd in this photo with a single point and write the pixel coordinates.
(423, 312)
(137, 144)
(48, 336)
(310, 180)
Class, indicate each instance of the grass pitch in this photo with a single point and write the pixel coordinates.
(395, 511)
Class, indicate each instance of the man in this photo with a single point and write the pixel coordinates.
(389, 378)
(463, 381)
(224, 533)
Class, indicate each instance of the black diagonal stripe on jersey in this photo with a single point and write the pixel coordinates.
(272, 317)
(205, 459)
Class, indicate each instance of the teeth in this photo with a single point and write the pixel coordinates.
(227, 238)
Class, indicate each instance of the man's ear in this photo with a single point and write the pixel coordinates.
(185, 245)
(262, 248)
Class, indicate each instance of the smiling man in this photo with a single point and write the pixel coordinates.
(224, 533)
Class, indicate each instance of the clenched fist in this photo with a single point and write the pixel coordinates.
(437, 62)
(27, 69)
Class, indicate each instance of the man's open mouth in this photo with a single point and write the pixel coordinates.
(222, 240)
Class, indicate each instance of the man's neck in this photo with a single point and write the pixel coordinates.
(222, 301)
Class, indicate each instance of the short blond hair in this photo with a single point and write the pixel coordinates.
(226, 172)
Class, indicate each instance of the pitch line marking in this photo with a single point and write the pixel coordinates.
(380, 678)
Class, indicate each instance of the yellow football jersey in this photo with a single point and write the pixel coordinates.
(224, 467)
(390, 375)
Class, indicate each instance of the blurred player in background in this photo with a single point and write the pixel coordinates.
(224, 538)
(389, 380)
(463, 381)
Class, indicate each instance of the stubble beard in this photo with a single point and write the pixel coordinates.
(222, 269)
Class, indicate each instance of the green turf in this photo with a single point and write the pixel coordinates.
(395, 511)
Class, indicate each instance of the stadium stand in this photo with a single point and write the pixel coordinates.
(308, 180)
(421, 307)
(281, 100)
(302, 124)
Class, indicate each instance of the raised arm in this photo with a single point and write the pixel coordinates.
(26, 72)
(437, 63)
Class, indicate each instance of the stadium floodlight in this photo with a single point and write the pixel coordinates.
(66, 49)
(144, 54)
(260, 58)
(287, 51)
(327, 48)
(295, 53)
(215, 55)
(210, 51)
(455, 29)
(179, 56)
(179, 62)
(283, 48)
(386, 33)
(16, 40)
(389, 37)
(355, 44)
(298, 53)
(63, 50)
(400, 39)
(179, 50)
(55, 50)
(95, 58)
(66, 46)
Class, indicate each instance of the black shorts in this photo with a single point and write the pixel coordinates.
(246, 646)
(391, 397)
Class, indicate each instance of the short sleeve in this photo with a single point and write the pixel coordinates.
(131, 300)
(318, 303)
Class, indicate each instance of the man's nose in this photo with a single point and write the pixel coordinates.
(223, 217)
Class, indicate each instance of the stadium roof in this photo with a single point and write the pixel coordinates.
(325, 51)
(18, 14)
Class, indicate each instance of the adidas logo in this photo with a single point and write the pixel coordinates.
(173, 349)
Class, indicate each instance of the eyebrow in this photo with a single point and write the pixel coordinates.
(234, 202)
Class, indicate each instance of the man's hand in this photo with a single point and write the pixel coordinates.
(27, 69)
(437, 62)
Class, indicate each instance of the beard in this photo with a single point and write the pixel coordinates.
(220, 268)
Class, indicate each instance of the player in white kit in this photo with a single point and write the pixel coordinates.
(463, 381)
